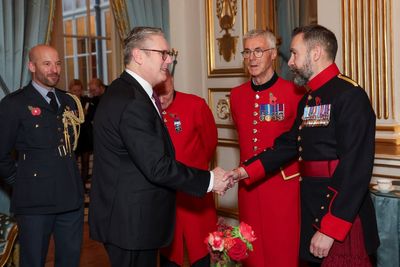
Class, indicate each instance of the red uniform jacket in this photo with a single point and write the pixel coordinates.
(193, 132)
(270, 206)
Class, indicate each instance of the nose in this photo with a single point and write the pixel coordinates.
(291, 61)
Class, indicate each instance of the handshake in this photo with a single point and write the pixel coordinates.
(224, 180)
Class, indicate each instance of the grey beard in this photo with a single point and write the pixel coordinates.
(300, 80)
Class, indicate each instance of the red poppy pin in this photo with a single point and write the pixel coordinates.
(35, 111)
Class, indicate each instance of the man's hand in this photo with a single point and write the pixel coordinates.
(321, 244)
(237, 174)
(221, 181)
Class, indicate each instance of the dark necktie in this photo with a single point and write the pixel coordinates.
(53, 101)
(158, 102)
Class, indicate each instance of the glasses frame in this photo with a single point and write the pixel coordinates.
(248, 52)
(164, 53)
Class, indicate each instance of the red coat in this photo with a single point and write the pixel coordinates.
(270, 206)
(192, 129)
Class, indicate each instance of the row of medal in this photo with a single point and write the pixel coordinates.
(272, 112)
(316, 115)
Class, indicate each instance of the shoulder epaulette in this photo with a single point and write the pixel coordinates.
(347, 79)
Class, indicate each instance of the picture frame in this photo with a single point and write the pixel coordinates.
(227, 205)
(219, 103)
(224, 37)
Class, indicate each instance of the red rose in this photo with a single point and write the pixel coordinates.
(216, 241)
(246, 232)
(36, 111)
(238, 251)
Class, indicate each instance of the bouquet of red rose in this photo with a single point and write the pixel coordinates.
(229, 244)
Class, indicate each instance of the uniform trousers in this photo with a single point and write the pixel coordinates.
(34, 236)
(120, 257)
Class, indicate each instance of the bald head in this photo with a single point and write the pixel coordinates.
(45, 65)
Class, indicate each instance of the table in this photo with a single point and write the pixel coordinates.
(387, 208)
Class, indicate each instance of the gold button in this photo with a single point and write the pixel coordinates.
(257, 96)
(256, 105)
(61, 140)
(298, 138)
(255, 131)
(254, 122)
(300, 127)
(255, 113)
(328, 195)
(300, 158)
(300, 149)
(322, 207)
(309, 97)
(58, 117)
(35, 174)
(255, 148)
(37, 126)
(300, 178)
(255, 139)
(316, 220)
(165, 121)
(164, 112)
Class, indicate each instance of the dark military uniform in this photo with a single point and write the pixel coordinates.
(45, 176)
(333, 138)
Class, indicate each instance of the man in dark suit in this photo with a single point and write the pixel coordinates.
(132, 207)
(47, 193)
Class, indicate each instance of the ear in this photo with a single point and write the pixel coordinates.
(274, 53)
(137, 56)
(31, 67)
(316, 53)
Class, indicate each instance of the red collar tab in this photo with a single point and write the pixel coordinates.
(323, 77)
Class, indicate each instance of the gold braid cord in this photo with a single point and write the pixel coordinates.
(70, 118)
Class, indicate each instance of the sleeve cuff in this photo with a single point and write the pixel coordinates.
(255, 171)
(211, 184)
(335, 227)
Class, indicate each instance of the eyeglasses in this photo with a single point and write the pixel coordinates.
(258, 52)
(164, 53)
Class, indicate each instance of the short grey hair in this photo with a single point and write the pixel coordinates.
(136, 38)
(268, 35)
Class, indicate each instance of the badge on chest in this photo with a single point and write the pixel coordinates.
(272, 111)
(315, 116)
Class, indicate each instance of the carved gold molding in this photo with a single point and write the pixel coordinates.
(368, 51)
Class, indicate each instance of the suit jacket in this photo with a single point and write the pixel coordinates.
(135, 173)
(45, 179)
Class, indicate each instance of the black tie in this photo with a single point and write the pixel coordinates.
(53, 101)
(158, 102)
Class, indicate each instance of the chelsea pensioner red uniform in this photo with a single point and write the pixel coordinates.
(269, 204)
(333, 138)
(193, 132)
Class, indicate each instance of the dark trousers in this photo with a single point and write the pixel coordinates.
(203, 262)
(34, 236)
(120, 257)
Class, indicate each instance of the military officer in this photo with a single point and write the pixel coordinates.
(333, 139)
(47, 199)
(262, 109)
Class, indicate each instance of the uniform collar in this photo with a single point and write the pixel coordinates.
(323, 77)
(264, 86)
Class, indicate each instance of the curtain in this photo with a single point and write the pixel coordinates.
(288, 19)
(132, 13)
(23, 24)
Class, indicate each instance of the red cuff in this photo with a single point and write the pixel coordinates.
(335, 227)
(255, 171)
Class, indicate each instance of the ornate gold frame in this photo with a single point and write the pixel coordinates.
(233, 69)
(218, 101)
